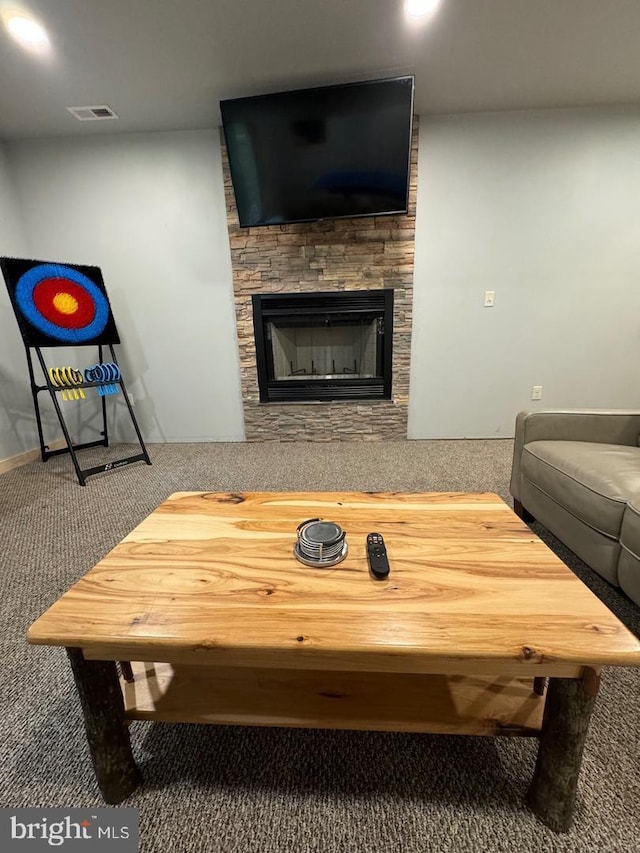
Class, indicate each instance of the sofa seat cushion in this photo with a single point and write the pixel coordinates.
(629, 564)
(630, 533)
(592, 481)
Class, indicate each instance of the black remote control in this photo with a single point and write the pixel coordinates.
(377, 555)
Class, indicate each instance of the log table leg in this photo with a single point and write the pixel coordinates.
(103, 708)
(539, 685)
(564, 730)
(127, 671)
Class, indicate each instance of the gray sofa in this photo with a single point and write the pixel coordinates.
(578, 473)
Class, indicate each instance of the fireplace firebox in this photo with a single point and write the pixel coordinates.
(324, 346)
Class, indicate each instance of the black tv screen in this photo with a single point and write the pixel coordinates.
(335, 151)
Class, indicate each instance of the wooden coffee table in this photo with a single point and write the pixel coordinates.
(224, 625)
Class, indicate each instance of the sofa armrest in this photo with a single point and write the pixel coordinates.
(603, 426)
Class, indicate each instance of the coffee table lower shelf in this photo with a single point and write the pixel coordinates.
(456, 704)
(336, 700)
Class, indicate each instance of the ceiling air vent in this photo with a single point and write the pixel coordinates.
(99, 113)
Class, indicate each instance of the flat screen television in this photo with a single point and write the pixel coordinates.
(324, 153)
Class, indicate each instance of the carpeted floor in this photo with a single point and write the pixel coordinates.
(244, 790)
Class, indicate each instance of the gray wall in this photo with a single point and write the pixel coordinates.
(149, 210)
(17, 422)
(541, 207)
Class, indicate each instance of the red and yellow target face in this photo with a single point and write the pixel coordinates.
(59, 304)
(64, 303)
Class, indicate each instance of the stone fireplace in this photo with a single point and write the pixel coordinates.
(324, 377)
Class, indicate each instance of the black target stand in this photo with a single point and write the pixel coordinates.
(72, 448)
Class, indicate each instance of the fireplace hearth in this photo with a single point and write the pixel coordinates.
(324, 346)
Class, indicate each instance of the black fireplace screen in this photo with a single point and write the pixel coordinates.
(324, 346)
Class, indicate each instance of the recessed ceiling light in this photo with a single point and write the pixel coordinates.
(26, 31)
(420, 8)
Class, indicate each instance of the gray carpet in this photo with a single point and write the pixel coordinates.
(244, 790)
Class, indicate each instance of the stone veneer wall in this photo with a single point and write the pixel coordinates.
(340, 254)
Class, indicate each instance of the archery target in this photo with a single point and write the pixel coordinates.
(59, 304)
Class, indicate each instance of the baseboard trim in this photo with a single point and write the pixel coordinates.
(28, 456)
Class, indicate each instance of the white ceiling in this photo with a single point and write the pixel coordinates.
(165, 64)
